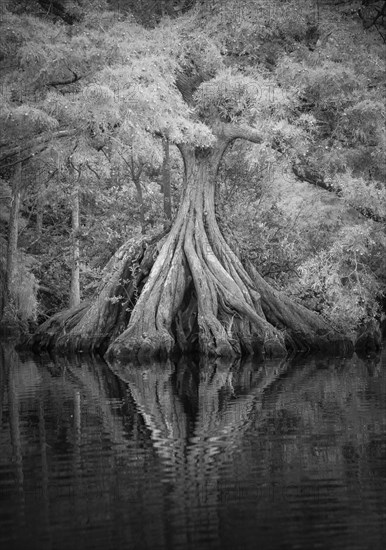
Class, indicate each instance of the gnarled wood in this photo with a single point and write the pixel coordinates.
(229, 321)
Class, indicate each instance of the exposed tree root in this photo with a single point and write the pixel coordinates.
(92, 326)
(61, 323)
(304, 329)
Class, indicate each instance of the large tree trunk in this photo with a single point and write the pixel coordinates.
(195, 296)
(198, 294)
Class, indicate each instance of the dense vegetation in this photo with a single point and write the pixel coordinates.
(105, 104)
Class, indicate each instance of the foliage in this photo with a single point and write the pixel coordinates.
(339, 283)
(369, 197)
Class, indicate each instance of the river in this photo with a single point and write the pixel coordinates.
(276, 455)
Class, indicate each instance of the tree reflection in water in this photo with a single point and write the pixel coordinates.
(197, 416)
(192, 455)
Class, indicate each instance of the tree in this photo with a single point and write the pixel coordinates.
(13, 229)
(18, 303)
(75, 271)
(196, 294)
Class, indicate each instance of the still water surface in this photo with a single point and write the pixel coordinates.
(282, 455)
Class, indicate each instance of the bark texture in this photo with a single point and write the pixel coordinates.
(166, 186)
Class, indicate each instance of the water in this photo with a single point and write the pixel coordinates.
(278, 455)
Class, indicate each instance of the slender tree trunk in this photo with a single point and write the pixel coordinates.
(166, 182)
(13, 231)
(138, 187)
(39, 216)
(75, 284)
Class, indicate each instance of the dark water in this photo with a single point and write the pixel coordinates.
(254, 456)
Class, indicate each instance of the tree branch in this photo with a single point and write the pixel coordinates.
(230, 132)
(93, 171)
(37, 143)
(312, 177)
(72, 80)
